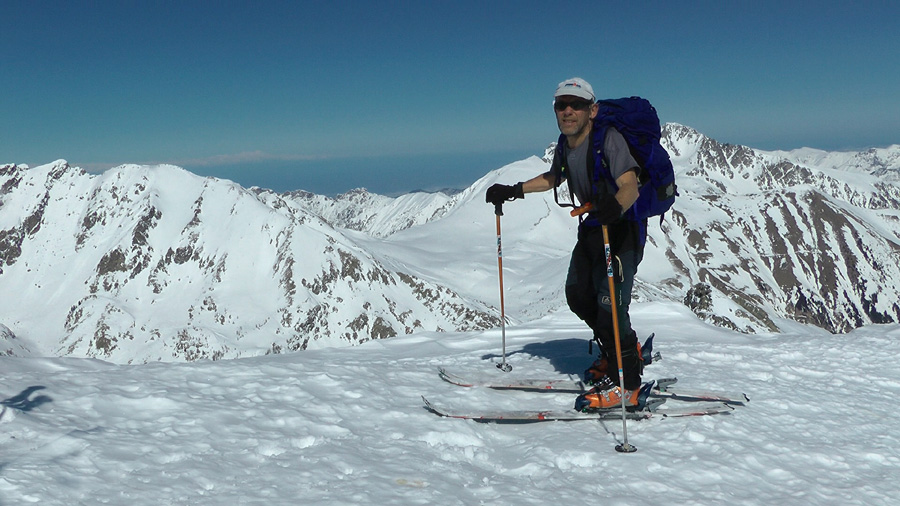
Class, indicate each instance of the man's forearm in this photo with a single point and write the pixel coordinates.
(540, 183)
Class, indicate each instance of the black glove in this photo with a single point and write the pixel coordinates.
(607, 209)
(500, 193)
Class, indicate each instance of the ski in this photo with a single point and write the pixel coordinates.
(524, 416)
(662, 388)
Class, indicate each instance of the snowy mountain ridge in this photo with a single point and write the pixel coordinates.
(148, 263)
(377, 215)
(154, 263)
(771, 238)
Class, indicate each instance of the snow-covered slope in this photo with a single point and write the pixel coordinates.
(461, 247)
(347, 426)
(154, 263)
(10, 345)
(755, 236)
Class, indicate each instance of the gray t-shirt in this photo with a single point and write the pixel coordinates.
(580, 176)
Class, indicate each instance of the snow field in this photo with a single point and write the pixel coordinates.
(347, 426)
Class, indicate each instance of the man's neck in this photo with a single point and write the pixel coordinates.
(573, 141)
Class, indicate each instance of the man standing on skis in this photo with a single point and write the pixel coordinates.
(587, 285)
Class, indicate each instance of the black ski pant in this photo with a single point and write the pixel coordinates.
(587, 292)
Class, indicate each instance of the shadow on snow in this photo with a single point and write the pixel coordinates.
(24, 402)
(567, 356)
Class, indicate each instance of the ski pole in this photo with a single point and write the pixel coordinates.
(625, 447)
(498, 212)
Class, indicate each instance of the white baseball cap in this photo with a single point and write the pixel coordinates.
(576, 87)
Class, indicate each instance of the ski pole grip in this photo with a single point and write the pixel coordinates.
(578, 211)
(498, 209)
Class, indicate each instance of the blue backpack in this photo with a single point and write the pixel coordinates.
(636, 119)
(638, 122)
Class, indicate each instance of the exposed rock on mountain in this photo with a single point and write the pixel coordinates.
(775, 238)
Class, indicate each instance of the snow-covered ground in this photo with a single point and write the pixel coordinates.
(347, 426)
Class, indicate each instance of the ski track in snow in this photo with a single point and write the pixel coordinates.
(347, 426)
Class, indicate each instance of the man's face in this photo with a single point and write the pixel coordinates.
(574, 115)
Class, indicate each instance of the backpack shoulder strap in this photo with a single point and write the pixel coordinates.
(597, 159)
(560, 170)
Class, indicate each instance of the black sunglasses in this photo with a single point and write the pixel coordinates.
(577, 105)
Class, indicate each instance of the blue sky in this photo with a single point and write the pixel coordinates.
(397, 96)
